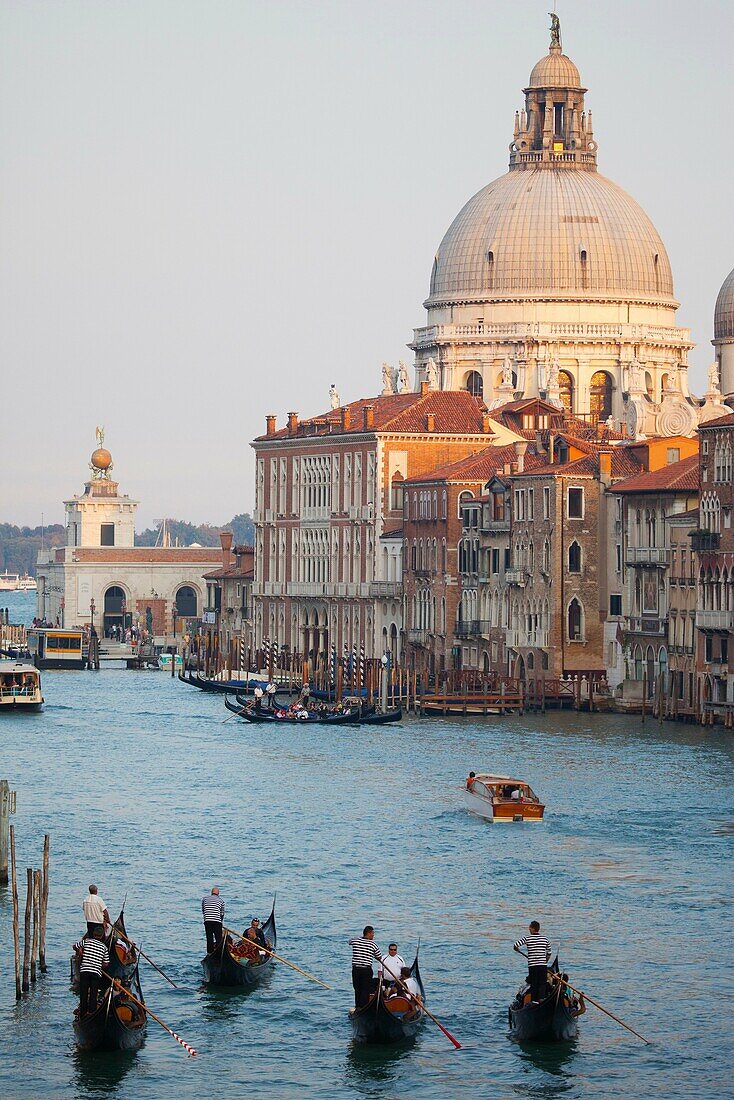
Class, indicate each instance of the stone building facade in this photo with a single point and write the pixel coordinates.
(229, 596)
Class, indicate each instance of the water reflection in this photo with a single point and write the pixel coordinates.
(101, 1072)
(373, 1063)
(553, 1058)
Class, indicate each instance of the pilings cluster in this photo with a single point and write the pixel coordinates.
(36, 899)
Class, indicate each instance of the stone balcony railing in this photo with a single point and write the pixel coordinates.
(647, 555)
(518, 639)
(387, 589)
(715, 620)
(418, 637)
(642, 624)
(552, 330)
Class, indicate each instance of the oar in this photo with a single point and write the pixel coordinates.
(591, 1000)
(123, 989)
(430, 1015)
(146, 957)
(278, 957)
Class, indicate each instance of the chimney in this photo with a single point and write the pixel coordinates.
(552, 449)
(346, 419)
(605, 467)
(292, 423)
(430, 422)
(369, 417)
(521, 447)
(424, 387)
(225, 537)
(270, 425)
(486, 427)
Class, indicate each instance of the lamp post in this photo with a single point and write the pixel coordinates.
(123, 608)
(91, 611)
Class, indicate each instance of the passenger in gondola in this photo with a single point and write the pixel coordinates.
(408, 986)
(93, 959)
(259, 935)
(95, 911)
(391, 966)
(538, 956)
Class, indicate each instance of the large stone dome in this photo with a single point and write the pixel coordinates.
(724, 311)
(555, 70)
(552, 233)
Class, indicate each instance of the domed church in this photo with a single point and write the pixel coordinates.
(552, 281)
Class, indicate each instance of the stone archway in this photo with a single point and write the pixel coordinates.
(113, 614)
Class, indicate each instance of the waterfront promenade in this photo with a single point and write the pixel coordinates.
(148, 792)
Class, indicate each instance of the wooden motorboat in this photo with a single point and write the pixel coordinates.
(123, 957)
(554, 1018)
(501, 798)
(117, 1023)
(389, 1019)
(20, 687)
(238, 962)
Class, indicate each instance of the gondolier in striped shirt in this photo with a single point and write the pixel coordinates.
(538, 953)
(93, 959)
(212, 908)
(364, 952)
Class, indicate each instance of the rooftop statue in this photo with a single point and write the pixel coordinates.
(334, 396)
(403, 378)
(507, 379)
(432, 373)
(555, 29)
(388, 381)
(714, 378)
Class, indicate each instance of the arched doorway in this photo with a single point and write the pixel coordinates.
(186, 602)
(474, 383)
(600, 396)
(520, 669)
(114, 600)
(565, 384)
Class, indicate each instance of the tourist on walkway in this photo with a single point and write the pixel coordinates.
(364, 950)
(212, 908)
(538, 954)
(94, 958)
(95, 912)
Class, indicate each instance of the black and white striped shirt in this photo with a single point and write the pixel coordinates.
(212, 907)
(364, 951)
(538, 949)
(95, 956)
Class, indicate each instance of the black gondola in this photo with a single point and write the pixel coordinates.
(223, 687)
(554, 1018)
(116, 1024)
(389, 1020)
(123, 958)
(380, 717)
(265, 716)
(225, 968)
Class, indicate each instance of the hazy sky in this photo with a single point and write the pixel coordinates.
(211, 209)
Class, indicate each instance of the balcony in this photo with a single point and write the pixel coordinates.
(715, 621)
(495, 526)
(647, 555)
(717, 668)
(704, 541)
(643, 625)
(387, 589)
(526, 639)
(515, 576)
(472, 628)
(418, 637)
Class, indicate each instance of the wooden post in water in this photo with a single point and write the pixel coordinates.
(5, 811)
(27, 936)
(44, 904)
(644, 691)
(36, 921)
(16, 922)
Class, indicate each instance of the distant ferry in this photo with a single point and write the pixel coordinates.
(13, 582)
(20, 687)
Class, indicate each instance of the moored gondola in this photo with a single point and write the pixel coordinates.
(238, 963)
(117, 1023)
(389, 1019)
(282, 717)
(554, 1018)
(381, 717)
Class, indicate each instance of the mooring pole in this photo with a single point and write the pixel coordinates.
(44, 904)
(7, 807)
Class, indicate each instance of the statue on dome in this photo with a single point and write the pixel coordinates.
(507, 373)
(554, 371)
(635, 376)
(334, 396)
(432, 373)
(672, 382)
(99, 432)
(403, 378)
(714, 378)
(388, 380)
(555, 29)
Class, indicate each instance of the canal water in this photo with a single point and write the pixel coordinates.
(150, 792)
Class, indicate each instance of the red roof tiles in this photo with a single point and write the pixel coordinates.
(680, 477)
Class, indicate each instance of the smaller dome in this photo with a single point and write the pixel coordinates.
(724, 311)
(101, 459)
(555, 70)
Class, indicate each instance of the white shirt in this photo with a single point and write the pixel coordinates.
(412, 986)
(94, 908)
(391, 966)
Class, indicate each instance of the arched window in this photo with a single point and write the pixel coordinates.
(565, 382)
(396, 500)
(600, 396)
(574, 557)
(474, 383)
(575, 621)
(638, 663)
(186, 603)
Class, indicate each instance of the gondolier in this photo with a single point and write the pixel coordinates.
(212, 908)
(364, 951)
(95, 911)
(538, 954)
(94, 958)
(270, 691)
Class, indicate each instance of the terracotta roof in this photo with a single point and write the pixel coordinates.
(624, 464)
(480, 466)
(392, 532)
(456, 412)
(679, 477)
(233, 572)
(691, 516)
(721, 422)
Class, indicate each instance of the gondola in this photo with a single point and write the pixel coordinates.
(384, 1020)
(223, 687)
(225, 968)
(266, 716)
(123, 958)
(116, 1024)
(554, 1018)
(380, 717)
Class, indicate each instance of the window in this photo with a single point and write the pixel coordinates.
(495, 561)
(498, 506)
(107, 534)
(705, 447)
(531, 503)
(575, 503)
(727, 517)
(615, 604)
(618, 549)
(575, 621)
(397, 493)
(574, 557)
(673, 454)
(546, 502)
(724, 651)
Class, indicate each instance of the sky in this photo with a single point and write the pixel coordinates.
(211, 210)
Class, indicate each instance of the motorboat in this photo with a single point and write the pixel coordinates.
(502, 798)
(20, 686)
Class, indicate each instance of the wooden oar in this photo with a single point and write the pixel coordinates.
(280, 958)
(146, 957)
(123, 989)
(430, 1015)
(557, 977)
